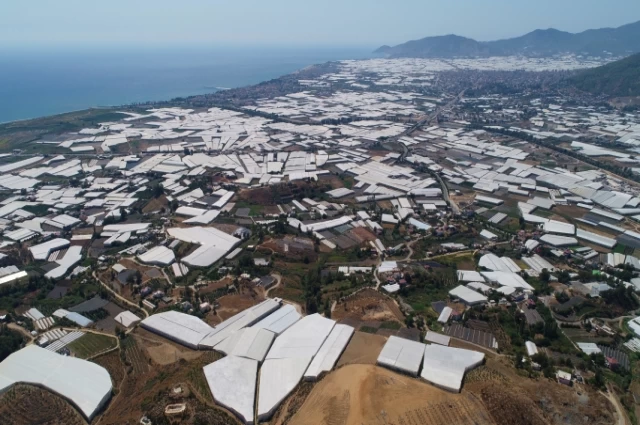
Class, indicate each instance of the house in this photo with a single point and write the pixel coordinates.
(564, 377)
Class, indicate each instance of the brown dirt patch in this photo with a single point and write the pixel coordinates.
(516, 399)
(259, 196)
(113, 364)
(227, 228)
(235, 303)
(368, 305)
(365, 394)
(363, 234)
(147, 272)
(161, 350)
(364, 348)
(155, 204)
(148, 394)
(214, 286)
(26, 405)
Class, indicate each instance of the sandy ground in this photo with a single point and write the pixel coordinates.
(363, 348)
(365, 394)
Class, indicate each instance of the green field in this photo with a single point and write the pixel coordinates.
(91, 344)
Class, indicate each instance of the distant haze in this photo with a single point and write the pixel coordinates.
(293, 22)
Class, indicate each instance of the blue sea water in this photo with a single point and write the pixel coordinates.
(39, 82)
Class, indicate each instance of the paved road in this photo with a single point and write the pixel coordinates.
(445, 194)
(427, 119)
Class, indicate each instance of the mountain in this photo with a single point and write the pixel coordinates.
(619, 79)
(431, 47)
(619, 41)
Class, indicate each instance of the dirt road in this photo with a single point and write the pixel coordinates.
(120, 297)
(620, 413)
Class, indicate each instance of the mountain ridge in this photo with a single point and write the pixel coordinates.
(620, 78)
(620, 41)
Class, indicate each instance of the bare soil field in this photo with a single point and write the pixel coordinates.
(113, 364)
(493, 394)
(368, 305)
(148, 273)
(366, 394)
(155, 204)
(234, 303)
(259, 196)
(136, 361)
(362, 234)
(161, 350)
(214, 286)
(149, 393)
(364, 348)
(27, 405)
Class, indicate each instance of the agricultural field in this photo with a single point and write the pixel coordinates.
(135, 357)
(91, 344)
(27, 405)
(363, 348)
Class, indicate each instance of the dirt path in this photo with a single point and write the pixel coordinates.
(278, 279)
(620, 413)
(120, 297)
(22, 330)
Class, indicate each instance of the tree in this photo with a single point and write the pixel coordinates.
(157, 190)
(545, 276)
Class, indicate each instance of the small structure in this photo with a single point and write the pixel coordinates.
(127, 319)
(564, 377)
(177, 409)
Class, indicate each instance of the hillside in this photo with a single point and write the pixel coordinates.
(619, 79)
(619, 41)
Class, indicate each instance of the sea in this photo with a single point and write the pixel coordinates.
(41, 82)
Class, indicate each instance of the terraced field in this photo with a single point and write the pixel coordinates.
(91, 344)
(27, 405)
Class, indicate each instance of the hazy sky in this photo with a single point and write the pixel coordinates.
(293, 22)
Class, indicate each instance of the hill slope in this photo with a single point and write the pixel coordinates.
(620, 78)
(619, 41)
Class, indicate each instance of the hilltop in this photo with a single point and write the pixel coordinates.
(620, 78)
(619, 41)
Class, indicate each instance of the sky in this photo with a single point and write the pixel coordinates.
(292, 22)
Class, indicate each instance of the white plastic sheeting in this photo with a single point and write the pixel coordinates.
(278, 377)
(85, 384)
(445, 367)
(330, 351)
(160, 255)
(402, 354)
(288, 359)
(251, 343)
(241, 320)
(280, 320)
(303, 339)
(179, 327)
(214, 244)
(232, 381)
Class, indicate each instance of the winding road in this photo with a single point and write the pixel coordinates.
(120, 297)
